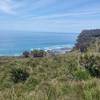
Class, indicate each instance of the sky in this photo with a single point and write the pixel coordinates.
(49, 15)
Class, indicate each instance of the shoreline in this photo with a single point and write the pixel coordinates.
(58, 50)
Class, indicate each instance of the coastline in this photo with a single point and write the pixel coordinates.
(18, 42)
(57, 49)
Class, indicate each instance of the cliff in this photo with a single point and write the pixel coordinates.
(87, 38)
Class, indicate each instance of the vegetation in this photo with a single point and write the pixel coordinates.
(38, 53)
(92, 64)
(19, 75)
(34, 53)
(72, 76)
(88, 38)
(62, 77)
(26, 54)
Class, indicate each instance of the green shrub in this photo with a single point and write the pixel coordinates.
(82, 74)
(38, 53)
(19, 75)
(26, 54)
(91, 63)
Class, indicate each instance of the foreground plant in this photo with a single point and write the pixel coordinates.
(19, 75)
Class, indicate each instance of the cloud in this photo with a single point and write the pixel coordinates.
(49, 14)
(66, 15)
(8, 6)
(61, 15)
(23, 6)
(5, 6)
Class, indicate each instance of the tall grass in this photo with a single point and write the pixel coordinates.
(60, 77)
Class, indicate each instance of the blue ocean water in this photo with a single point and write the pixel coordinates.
(15, 42)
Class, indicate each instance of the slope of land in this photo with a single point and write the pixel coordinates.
(71, 76)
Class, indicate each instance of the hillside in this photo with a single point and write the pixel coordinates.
(88, 39)
(70, 76)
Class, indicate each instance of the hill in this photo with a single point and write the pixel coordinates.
(88, 38)
(70, 76)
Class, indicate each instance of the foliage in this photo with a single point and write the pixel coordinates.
(38, 53)
(19, 75)
(81, 74)
(91, 63)
(26, 54)
(86, 38)
(56, 77)
(48, 78)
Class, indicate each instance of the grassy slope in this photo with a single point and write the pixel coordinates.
(52, 78)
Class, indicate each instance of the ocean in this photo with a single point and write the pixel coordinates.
(13, 43)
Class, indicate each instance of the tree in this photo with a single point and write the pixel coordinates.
(26, 54)
(38, 53)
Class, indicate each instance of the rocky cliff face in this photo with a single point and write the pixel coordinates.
(86, 38)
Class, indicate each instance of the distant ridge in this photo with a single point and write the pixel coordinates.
(87, 37)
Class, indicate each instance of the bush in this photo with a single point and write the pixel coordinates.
(91, 63)
(19, 75)
(38, 53)
(82, 74)
(26, 54)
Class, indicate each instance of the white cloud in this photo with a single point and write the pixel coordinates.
(23, 6)
(82, 13)
(7, 6)
(50, 15)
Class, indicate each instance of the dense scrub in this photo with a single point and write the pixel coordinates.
(91, 63)
(36, 76)
(34, 53)
(63, 77)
